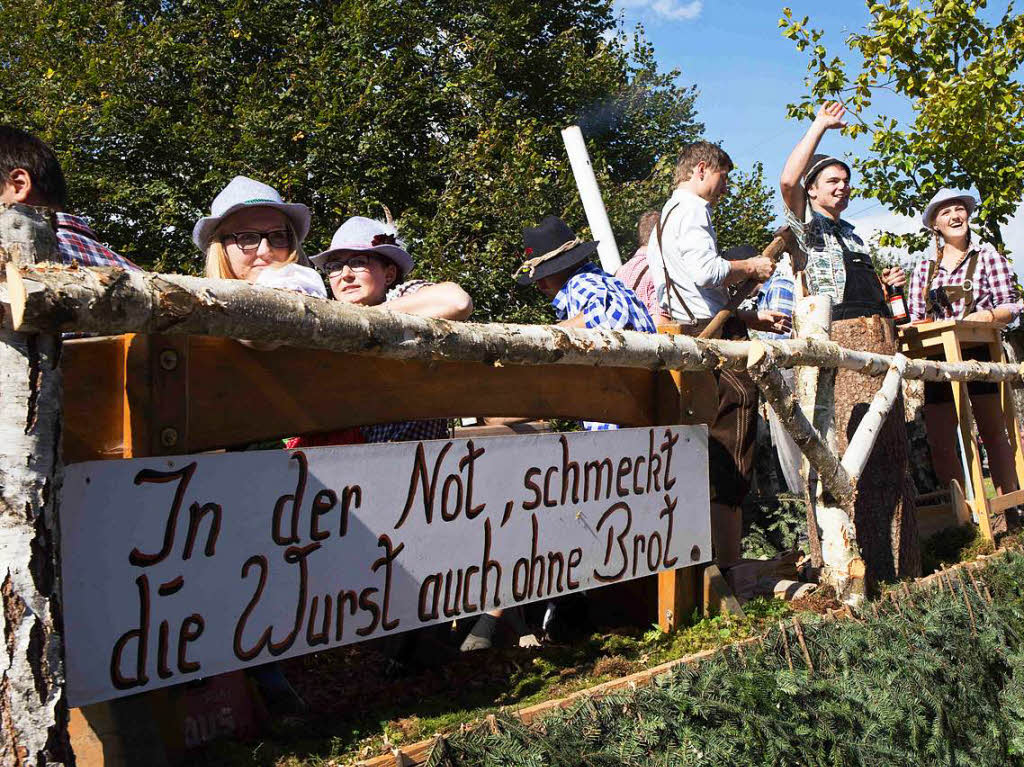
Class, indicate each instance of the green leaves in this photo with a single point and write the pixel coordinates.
(960, 76)
(447, 112)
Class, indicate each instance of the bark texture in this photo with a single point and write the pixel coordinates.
(764, 371)
(33, 710)
(863, 440)
(812, 321)
(884, 514)
(110, 301)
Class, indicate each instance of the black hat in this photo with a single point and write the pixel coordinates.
(817, 164)
(551, 247)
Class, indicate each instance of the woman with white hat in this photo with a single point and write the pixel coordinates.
(252, 234)
(964, 278)
(367, 263)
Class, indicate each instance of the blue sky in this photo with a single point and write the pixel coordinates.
(747, 72)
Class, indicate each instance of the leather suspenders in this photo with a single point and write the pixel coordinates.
(670, 287)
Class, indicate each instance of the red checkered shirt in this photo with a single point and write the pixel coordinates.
(637, 276)
(77, 242)
(994, 285)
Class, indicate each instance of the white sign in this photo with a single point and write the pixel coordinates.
(177, 568)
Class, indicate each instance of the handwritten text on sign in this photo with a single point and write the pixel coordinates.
(186, 567)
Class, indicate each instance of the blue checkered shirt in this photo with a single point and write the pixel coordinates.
(777, 295)
(605, 302)
(77, 242)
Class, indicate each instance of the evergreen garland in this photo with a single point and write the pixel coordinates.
(929, 677)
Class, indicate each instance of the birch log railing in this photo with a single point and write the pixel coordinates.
(164, 380)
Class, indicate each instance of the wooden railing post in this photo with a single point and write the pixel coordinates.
(33, 709)
(681, 398)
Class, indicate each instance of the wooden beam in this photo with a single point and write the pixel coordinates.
(299, 391)
(681, 398)
(93, 398)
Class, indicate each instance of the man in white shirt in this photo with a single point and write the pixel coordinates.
(684, 250)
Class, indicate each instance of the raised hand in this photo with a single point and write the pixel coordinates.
(830, 116)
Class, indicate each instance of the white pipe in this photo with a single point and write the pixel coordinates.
(590, 194)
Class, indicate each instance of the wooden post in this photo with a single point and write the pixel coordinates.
(681, 398)
(965, 419)
(33, 709)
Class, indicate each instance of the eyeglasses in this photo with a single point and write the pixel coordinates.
(356, 264)
(249, 242)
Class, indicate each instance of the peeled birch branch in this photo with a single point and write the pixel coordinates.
(863, 442)
(763, 368)
(108, 301)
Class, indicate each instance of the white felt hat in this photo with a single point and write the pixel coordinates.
(366, 234)
(942, 197)
(242, 193)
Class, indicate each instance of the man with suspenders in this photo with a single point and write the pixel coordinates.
(690, 280)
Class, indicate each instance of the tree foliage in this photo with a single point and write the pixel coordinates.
(447, 112)
(960, 75)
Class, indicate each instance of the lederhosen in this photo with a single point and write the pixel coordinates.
(731, 437)
(966, 291)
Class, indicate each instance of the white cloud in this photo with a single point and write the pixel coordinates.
(672, 10)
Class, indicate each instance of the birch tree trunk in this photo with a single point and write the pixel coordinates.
(884, 515)
(838, 554)
(33, 710)
(110, 301)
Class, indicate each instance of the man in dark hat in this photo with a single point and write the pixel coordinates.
(583, 295)
(816, 191)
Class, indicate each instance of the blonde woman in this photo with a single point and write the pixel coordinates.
(964, 278)
(251, 234)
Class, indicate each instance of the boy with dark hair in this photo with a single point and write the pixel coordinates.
(30, 174)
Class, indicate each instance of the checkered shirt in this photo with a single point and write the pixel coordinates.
(994, 285)
(777, 295)
(407, 431)
(605, 302)
(822, 239)
(77, 242)
(636, 275)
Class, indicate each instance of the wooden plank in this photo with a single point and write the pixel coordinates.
(965, 416)
(93, 398)
(717, 595)
(959, 503)
(935, 519)
(678, 596)
(138, 396)
(1003, 502)
(681, 398)
(298, 391)
(1008, 406)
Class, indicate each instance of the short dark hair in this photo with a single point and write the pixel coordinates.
(646, 225)
(710, 154)
(20, 149)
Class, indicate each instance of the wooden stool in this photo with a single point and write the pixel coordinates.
(950, 338)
